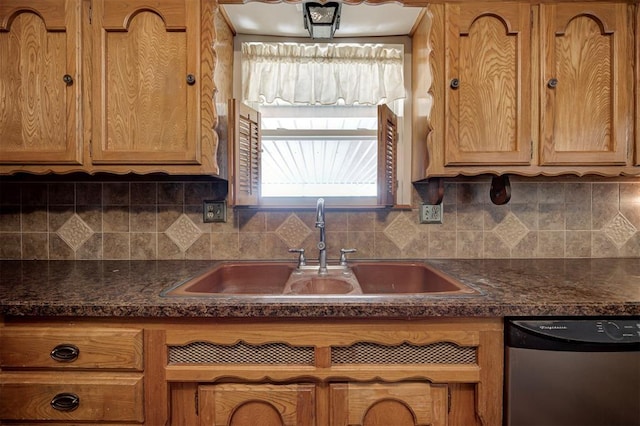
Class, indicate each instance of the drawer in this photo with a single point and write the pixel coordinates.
(100, 396)
(71, 347)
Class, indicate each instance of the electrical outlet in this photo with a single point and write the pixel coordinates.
(214, 211)
(431, 213)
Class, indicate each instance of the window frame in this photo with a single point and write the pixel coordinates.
(245, 140)
(402, 187)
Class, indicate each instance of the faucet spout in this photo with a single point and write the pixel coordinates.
(320, 213)
(322, 245)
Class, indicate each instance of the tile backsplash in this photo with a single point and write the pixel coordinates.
(163, 220)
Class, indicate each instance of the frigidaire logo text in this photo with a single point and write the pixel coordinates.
(553, 327)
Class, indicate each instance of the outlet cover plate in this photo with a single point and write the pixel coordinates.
(431, 213)
(214, 211)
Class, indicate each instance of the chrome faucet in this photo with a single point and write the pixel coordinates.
(322, 245)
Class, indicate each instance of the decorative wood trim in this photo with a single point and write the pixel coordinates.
(422, 63)
(328, 333)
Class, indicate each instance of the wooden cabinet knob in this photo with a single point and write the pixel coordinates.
(552, 83)
(68, 80)
(191, 79)
(454, 84)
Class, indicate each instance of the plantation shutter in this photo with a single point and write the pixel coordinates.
(387, 155)
(244, 154)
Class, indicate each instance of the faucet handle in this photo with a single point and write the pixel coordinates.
(343, 255)
(302, 261)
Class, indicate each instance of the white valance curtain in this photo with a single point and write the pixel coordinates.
(326, 74)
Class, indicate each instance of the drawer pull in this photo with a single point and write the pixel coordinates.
(65, 353)
(65, 402)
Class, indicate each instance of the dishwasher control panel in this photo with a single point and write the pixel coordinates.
(605, 331)
(620, 331)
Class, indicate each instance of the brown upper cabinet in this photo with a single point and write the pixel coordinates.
(141, 75)
(586, 58)
(637, 86)
(39, 88)
(488, 108)
(522, 87)
(529, 89)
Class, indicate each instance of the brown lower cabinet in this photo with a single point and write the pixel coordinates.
(337, 372)
(440, 371)
(370, 404)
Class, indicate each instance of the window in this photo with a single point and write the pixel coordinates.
(316, 129)
(326, 151)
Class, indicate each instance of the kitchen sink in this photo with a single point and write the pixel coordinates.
(258, 278)
(338, 280)
(404, 277)
(267, 278)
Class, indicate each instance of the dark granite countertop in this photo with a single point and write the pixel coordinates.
(524, 287)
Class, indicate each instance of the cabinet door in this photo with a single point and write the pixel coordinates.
(380, 404)
(40, 82)
(587, 83)
(488, 98)
(637, 62)
(146, 82)
(245, 404)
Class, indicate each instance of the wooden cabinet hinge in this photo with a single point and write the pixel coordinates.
(91, 148)
(196, 402)
(90, 12)
(448, 399)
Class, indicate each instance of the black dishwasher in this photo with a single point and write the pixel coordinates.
(572, 372)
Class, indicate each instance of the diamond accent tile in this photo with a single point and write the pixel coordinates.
(619, 230)
(401, 231)
(183, 232)
(511, 230)
(75, 232)
(293, 231)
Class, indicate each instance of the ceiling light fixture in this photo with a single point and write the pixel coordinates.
(322, 20)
